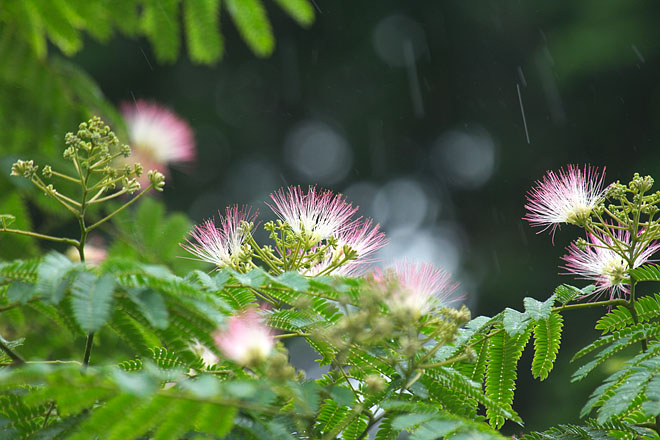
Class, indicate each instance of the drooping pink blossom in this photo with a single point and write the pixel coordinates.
(220, 244)
(316, 215)
(564, 197)
(364, 238)
(246, 340)
(603, 263)
(417, 287)
(158, 137)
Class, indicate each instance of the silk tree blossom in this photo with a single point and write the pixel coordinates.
(247, 340)
(221, 244)
(601, 262)
(363, 238)
(315, 215)
(568, 196)
(417, 287)
(157, 136)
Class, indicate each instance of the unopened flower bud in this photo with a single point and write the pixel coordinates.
(131, 185)
(50, 191)
(157, 179)
(125, 150)
(69, 153)
(137, 169)
(47, 172)
(24, 168)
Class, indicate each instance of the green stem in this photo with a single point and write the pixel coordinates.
(50, 410)
(120, 209)
(446, 362)
(15, 357)
(88, 349)
(610, 302)
(41, 236)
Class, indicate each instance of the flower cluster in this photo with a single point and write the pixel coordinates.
(316, 235)
(618, 223)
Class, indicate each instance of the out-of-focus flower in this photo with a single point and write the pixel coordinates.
(222, 245)
(564, 197)
(315, 215)
(416, 287)
(597, 261)
(247, 340)
(209, 358)
(363, 238)
(158, 137)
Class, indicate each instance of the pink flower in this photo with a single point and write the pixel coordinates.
(417, 287)
(246, 340)
(362, 237)
(565, 197)
(158, 137)
(600, 263)
(313, 215)
(221, 245)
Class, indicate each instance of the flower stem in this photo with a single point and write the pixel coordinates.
(120, 209)
(40, 236)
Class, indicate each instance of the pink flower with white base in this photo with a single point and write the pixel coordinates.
(600, 263)
(316, 215)
(220, 244)
(568, 196)
(158, 136)
(364, 239)
(417, 287)
(247, 340)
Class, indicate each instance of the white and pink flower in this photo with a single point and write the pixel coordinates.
(315, 215)
(247, 340)
(158, 137)
(602, 262)
(364, 238)
(417, 287)
(564, 197)
(220, 244)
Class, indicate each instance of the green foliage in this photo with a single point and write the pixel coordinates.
(547, 337)
(63, 22)
(504, 351)
(152, 236)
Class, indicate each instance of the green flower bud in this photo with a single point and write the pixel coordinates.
(125, 150)
(24, 168)
(157, 179)
(47, 172)
(69, 153)
(131, 185)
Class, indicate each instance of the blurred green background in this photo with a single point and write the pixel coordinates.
(435, 117)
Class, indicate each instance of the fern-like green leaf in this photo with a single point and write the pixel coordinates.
(252, 23)
(301, 10)
(504, 352)
(202, 20)
(647, 272)
(615, 319)
(617, 341)
(92, 300)
(160, 23)
(547, 337)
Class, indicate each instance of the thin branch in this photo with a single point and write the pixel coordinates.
(15, 357)
(120, 209)
(41, 236)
